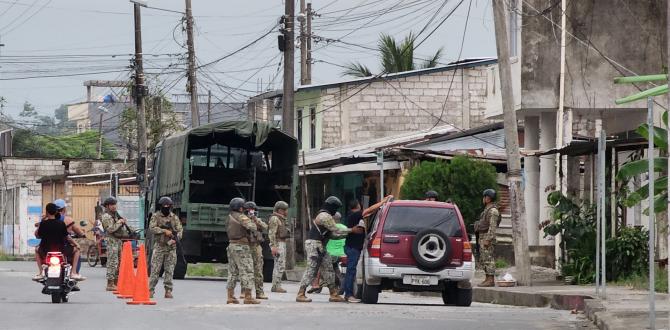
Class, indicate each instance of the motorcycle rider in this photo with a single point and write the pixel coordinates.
(53, 235)
(72, 228)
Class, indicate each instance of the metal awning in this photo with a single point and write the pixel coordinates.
(360, 167)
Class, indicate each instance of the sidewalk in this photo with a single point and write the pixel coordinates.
(623, 308)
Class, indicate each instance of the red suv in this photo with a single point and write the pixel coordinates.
(417, 246)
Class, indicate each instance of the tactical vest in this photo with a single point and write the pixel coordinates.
(235, 229)
(282, 231)
(318, 232)
(484, 223)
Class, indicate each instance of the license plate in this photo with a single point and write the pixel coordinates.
(422, 280)
(53, 272)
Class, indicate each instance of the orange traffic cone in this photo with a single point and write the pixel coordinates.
(126, 273)
(141, 292)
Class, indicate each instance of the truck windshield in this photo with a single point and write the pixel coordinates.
(412, 219)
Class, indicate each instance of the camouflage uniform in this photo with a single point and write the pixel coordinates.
(164, 251)
(276, 221)
(488, 222)
(240, 262)
(257, 257)
(113, 228)
(317, 257)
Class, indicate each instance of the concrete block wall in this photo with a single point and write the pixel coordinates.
(26, 171)
(362, 111)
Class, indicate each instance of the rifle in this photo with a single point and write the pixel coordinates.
(175, 237)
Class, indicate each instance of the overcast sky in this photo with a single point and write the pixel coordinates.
(46, 37)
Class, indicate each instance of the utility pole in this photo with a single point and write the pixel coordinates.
(100, 136)
(140, 92)
(520, 235)
(289, 48)
(192, 88)
(305, 43)
(209, 106)
(310, 14)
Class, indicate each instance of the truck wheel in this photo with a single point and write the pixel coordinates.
(55, 298)
(180, 269)
(103, 261)
(63, 298)
(268, 267)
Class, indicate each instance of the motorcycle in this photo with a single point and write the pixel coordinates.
(56, 279)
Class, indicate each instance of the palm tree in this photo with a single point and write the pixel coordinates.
(394, 57)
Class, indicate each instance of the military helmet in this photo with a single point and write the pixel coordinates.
(250, 205)
(490, 193)
(333, 201)
(109, 201)
(236, 203)
(431, 194)
(281, 205)
(165, 201)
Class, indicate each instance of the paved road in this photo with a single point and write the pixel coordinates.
(200, 304)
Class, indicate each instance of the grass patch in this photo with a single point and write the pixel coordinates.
(4, 257)
(641, 281)
(204, 270)
(501, 264)
(301, 263)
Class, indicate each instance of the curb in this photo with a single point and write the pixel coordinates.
(526, 299)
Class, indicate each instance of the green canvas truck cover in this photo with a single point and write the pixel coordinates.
(243, 134)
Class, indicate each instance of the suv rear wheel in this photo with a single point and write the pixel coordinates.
(453, 295)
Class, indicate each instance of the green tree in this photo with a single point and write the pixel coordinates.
(394, 57)
(28, 110)
(26, 143)
(462, 181)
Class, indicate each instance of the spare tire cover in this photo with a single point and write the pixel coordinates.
(431, 249)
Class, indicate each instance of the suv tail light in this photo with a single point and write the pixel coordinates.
(467, 251)
(376, 248)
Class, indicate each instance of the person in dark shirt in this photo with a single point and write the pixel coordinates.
(53, 234)
(352, 248)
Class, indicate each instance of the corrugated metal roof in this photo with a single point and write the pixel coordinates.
(492, 142)
(367, 149)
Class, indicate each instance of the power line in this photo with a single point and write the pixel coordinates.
(29, 17)
(460, 52)
(239, 49)
(63, 75)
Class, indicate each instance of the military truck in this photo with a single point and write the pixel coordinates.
(202, 169)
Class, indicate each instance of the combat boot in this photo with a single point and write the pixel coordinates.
(111, 286)
(168, 293)
(488, 282)
(278, 289)
(248, 299)
(301, 295)
(261, 295)
(231, 297)
(334, 296)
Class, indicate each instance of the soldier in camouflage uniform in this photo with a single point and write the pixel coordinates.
(240, 262)
(255, 240)
(164, 225)
(324, 227)
(486, 227)
(114, 231)
(278, 233)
